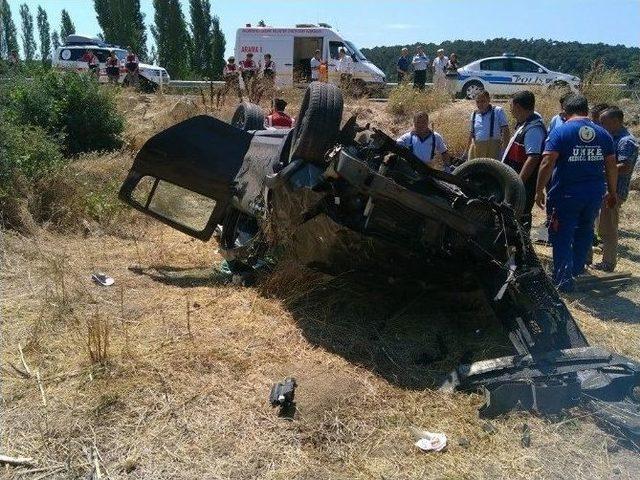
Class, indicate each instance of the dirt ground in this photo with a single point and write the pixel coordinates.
(166, 374)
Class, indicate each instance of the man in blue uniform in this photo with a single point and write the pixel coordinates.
(626, 152)
(578, 158)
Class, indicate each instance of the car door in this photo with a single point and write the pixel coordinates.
(185, 175)
(526, 74)
(494, 73)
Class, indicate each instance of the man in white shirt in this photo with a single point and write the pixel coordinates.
(344, 68)
(420, 64)
(315, 63)
(439, 65)
(424, 142)
(488, 129)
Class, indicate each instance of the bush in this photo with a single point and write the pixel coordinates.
(70, 106)
(405, 100)
(599, 84)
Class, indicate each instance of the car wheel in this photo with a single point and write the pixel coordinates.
(318, 123)
(248, 116)
(495, 180)
(471, 89)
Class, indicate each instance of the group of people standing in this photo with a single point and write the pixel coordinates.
(258, 78)
(113, 66)
(442, 68)
(578, 169)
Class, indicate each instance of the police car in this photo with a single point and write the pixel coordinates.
(69, 57)
(509, 74)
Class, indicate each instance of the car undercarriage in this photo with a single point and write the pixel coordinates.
(343, 197)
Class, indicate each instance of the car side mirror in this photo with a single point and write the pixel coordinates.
(540, 70)
(353, 56)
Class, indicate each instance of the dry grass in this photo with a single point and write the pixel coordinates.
(406, 100)
(184, 391)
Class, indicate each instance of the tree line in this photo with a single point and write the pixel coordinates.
(185, 49)
(567, 57)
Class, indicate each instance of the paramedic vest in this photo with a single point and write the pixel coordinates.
(516, 154)
(279, 120)
(269, 70)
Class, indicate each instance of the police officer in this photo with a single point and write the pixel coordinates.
(578, 157)
(420, 64)
(488, 129)
(424, 142)
(626, 152)
(524, 151)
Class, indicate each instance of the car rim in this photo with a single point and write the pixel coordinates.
(473, 90)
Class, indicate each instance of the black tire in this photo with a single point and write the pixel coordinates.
(318, 123)
(248, 116)
(471, 89)
(494, 179)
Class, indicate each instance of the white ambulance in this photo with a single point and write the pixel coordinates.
(292, 48)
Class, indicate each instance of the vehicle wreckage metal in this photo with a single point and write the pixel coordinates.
(344, 199)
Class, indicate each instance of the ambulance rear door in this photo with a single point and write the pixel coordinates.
(303, 51)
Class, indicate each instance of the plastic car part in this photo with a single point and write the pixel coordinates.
(282, 393)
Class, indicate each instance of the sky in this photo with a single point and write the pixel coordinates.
(369, 23)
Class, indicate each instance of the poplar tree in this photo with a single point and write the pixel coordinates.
(55, 40)
(28, 41)
(217, 49)
(66, 26)
(172, 38)
(44, 32)
(201, 59)
(122, 23)
(10, 35)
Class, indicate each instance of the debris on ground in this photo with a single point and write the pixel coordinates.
(102, 279)
(525, 440)
(429, 441)
(282, 393)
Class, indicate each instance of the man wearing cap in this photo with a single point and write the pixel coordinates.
(438, 67)
(488, 129)
(278, 119)
(420, 64)
(404, 65)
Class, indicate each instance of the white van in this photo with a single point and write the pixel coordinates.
(292, 48)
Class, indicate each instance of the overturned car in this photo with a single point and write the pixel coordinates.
(344, 199)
